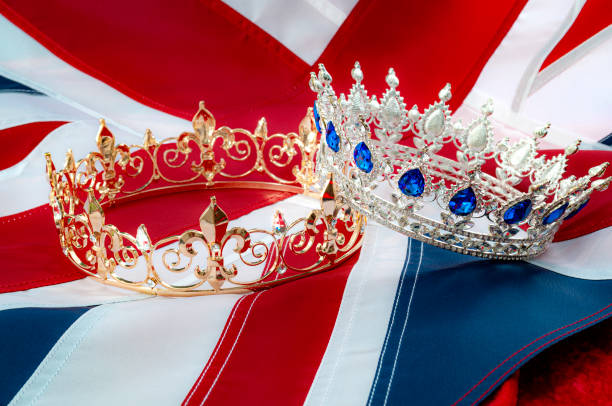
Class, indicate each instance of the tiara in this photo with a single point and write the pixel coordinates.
(437, 194)
(214, 258)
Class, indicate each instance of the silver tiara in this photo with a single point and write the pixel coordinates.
(446, 201)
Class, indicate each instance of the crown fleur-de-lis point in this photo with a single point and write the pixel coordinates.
(106, 143)
(149, 140)
(213, 222)
(69, 164)
(329, 205)
(203, 124)
(94, 212)
(143, 241)
(261, 131)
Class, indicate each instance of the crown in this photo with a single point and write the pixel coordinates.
(214, 258)
(443, 196)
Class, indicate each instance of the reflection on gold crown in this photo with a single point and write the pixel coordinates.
(213, 259)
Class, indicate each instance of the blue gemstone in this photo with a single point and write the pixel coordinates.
(317, 117)
(332, 139)
(554, 215)
(463, 202)
(363, 157)
(572, 214)
(412, 183)
(518, 212)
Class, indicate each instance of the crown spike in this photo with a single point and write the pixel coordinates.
(598, 170)
(542, 131)
(261, 130)
(573, 148)
(213, 222)
(94, 212)
(69, 164)
(445, 93)
(357, 73)
(391, 79)
(149, 140)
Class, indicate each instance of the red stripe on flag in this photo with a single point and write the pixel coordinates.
(428, 43)
(17, 142)
(594, 17)
(273, 343)
(171, 55)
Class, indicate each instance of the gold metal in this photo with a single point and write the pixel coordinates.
(213, 259)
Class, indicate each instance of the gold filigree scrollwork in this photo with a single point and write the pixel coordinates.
(215, 258)
(206, 157)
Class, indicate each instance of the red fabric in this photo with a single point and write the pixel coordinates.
(506, 394)
(171, 55)
(30, 254)
(594, 17)
(597, 214)
(282, 346)
(577, 371)
(17, 142)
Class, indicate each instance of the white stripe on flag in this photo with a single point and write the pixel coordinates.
(23, 108)
(357, 339)
(304, 27)
(141, 352)
(513, 67)
(586, 257)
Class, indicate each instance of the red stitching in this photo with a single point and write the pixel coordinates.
(524, 347)
(536, 350)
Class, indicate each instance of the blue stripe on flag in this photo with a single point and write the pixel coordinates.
(10, 86)
(461, 320)
(27, 336)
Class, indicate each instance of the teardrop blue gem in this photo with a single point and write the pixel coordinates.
(412, 183)
(331, 137)
(317, 117)
(518, 212)
(572, 214)
(463, 202)
(554, 215)
(363, 157)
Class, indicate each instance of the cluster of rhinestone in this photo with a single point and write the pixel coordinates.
(414, 188)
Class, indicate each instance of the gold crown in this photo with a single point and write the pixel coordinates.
(199, 262)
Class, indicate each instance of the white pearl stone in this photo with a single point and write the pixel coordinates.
(434, 125)
(477, 138)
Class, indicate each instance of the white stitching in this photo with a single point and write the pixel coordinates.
(214, 354)
(399, 290)
(231, 349)
(416, 276)
(350, 323)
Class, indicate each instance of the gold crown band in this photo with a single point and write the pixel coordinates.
(207, 158)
